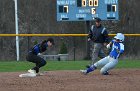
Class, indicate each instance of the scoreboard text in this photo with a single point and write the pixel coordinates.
(86, 10)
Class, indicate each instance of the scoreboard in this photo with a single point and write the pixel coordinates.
(86, 10)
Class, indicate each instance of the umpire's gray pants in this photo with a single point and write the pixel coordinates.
(97, 51)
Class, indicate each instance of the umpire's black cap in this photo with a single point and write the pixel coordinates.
(51, 40)
(98, 19)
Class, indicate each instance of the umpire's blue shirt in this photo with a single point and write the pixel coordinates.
(99, 34)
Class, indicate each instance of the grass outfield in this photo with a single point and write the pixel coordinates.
(15, 66)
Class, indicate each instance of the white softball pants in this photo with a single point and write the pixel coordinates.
(106, 63)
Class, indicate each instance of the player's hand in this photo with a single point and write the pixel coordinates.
(108, 46)
(39, 54)
(89, 39)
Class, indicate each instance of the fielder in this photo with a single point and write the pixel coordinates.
(109, 62)
(33, 55)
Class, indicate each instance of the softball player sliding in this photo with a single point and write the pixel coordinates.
(111, 60)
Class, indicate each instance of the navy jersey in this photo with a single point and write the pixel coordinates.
(98, 34)
(39, 48)
(117, 49)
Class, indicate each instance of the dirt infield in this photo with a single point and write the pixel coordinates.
(119, 80)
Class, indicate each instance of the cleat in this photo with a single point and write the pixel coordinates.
(31, 71)
(84, 72)
(106, 73)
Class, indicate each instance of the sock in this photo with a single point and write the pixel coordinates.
(91, 68)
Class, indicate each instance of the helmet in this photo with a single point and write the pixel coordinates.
(120, 36)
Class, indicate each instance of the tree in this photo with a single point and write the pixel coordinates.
(63, 48)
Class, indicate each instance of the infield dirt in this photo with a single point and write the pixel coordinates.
(118, 80)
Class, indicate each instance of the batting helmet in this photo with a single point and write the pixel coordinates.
(120, 36)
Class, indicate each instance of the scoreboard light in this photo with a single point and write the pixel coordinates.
(86, 10)
(95, 2)
(90, 2)
(66, 9)
(84, 3)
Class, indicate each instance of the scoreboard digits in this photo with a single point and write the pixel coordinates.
(86, 10)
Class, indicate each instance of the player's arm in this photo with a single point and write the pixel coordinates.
(121, 51)
(110, 44)
(121, 48)
(90, 33)
(106, 36)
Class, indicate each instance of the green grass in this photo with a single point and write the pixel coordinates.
(15, 66)
(129, 64)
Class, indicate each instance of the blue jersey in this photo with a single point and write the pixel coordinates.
(39, 48)
(117, 49)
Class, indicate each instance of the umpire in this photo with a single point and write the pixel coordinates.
(99, 35)
(33, 55)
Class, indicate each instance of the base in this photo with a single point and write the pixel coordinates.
(28, 75)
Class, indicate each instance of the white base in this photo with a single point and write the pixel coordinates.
(28, 75)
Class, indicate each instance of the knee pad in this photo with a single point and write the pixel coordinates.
(43, 62)
(101, 71)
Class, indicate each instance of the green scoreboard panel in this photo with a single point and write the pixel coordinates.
(86, 10)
